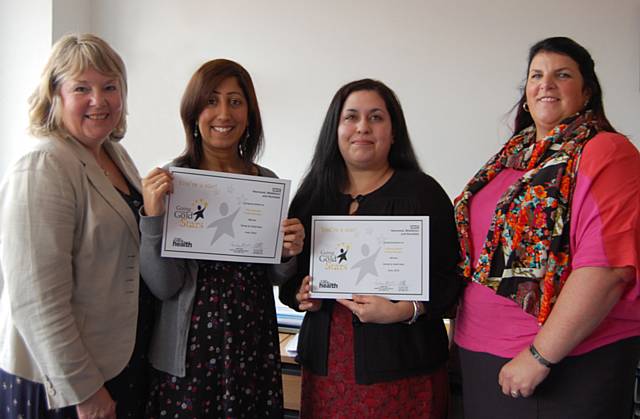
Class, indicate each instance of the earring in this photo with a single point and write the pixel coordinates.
(525, 107)
(196, 131)
(242, 145)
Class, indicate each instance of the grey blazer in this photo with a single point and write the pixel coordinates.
(173, 281)
(69, 253)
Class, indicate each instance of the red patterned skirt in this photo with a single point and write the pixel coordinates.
(338, 396)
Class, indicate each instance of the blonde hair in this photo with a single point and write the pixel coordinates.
(71, 56)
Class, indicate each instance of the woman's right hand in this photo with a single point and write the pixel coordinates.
(303, 296)
(155, 187)
(99, 406)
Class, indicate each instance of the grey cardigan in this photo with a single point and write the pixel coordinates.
(173, 282)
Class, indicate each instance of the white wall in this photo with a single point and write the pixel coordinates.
(70, 16)
(28, 28)
(455, 65)
(25, 41)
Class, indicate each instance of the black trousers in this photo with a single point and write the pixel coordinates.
(595, 385)
(24, 399)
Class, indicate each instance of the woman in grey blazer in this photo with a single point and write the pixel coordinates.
(69, 245)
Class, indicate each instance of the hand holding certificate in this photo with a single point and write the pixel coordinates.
(225, 216)
(386, 256)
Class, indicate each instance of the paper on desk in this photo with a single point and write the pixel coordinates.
(292, 345)
(286, 315)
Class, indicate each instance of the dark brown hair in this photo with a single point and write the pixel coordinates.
(199, 89)
(570, 48)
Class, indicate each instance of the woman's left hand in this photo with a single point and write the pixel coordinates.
(521, 375)
(587, 297)
(293, 237)
(373, 309)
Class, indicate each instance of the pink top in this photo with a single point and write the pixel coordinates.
(605, 232)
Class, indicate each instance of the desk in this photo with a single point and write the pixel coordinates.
(291, 378)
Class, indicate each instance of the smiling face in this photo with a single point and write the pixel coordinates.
(555, 90)
(91, 107)
(365, 133)
(223, 121)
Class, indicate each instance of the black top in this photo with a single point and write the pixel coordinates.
(386, 352)
(130, 388)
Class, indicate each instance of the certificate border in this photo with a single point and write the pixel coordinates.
(273, 259)
(367, 218)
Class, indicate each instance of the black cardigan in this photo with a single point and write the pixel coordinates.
(386, 352)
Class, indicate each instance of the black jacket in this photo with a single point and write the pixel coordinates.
(386, 352)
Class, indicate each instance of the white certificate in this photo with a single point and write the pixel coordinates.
(386, 256)
(225, 216)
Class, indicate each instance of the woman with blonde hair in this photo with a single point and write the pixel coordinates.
(74, 314)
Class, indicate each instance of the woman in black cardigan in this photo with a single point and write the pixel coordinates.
(372, 356)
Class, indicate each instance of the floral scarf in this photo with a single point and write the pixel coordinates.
(526, 253)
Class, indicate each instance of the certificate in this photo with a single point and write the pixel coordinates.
(224, 216)
(386, 256)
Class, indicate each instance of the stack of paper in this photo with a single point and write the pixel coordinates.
(286, 315)
(292, 345)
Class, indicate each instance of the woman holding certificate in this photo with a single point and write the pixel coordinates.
(215, 347)
(372, 357)
(549, 324)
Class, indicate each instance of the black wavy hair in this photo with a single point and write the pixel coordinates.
(326, 176)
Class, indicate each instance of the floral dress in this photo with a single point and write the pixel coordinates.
(233, 354)
(338, 396)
